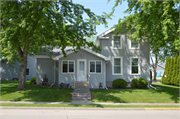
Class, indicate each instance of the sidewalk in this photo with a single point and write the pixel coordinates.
(84, 102)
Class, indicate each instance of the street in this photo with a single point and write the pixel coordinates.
(64, 113)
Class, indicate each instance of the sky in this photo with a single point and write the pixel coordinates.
(100, 6)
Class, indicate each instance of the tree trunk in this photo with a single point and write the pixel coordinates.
(155, 67)
(23, 65)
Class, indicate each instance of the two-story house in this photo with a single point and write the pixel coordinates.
(120, 58)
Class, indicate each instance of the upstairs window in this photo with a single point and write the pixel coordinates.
(116, 42)
(134, 44)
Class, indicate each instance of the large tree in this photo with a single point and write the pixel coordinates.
(26, 26)
(156, 22)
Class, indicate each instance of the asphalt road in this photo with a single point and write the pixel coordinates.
(41, 113)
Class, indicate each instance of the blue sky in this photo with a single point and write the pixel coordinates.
(100, 6)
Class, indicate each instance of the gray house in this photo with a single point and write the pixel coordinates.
(8, 72)
(120, 58)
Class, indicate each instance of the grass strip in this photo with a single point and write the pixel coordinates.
(89, 105)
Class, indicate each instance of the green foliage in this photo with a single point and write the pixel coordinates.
(119, 83)
(171, 71)
(139, 83)
(156, 21)
(33, 80)
(177, 72)
(45, 23)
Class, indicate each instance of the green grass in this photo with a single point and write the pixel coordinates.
(89, 105)
(165, 94)
(34, 93)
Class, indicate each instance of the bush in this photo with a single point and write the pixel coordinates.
(33, 80)
(139, 83)
(119, 83)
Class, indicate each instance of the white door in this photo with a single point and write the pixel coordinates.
(81, 70)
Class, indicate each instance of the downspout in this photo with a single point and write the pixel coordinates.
(54, 72)
(105, 76)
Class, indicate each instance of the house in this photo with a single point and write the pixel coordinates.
(159, 70)
(8, 72)
(120, 58)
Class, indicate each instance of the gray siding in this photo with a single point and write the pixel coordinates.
(94, 79)
(45, 66)
(126, 53)
(9, 72)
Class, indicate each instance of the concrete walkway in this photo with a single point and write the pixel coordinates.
(24, 102)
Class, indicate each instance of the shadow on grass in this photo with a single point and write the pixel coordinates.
(34, 93)
(173, 91)
(107, 95)
(114, 95)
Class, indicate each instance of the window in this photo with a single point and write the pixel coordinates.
(27, 71)
(67, 66)
(135, 44)
(135, 66)
(95, 66)
(116, 42)
(117, 66)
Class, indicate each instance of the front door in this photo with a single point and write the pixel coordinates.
(81, 70)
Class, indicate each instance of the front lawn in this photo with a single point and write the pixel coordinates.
(165, 94)
(35, 93)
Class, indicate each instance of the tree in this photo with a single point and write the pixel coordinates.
(29, 25)
(156, 22)
(177, 77)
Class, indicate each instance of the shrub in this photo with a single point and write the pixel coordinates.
(119, 83)
(33, 80)
(139, 83)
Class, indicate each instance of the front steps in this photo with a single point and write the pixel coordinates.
(81, 94)
(81, 97)
(81, 84)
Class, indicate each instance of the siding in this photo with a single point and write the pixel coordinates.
(95, 79)
(126, 53)
(45, 66)
(9, 72)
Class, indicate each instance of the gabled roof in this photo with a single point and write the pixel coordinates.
(105, 33)
(57, 53)
(86, 49)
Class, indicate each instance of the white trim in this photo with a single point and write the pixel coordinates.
(67, 67)
(120, 41)
(29, 71)
(62, 55)
(85, 68)
(95, 67)
(120, 65)
(131, 44)
(106, 32)
(88, 50)
(139, 73)
(42, 56)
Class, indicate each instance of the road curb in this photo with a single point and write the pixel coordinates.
(162, 108)
(71, 108)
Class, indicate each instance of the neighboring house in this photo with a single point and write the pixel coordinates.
(159, 71)
(119, 58)
(8, 72)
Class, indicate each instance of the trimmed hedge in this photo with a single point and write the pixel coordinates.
(139, 83)
(33, 80)
(119, 83)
